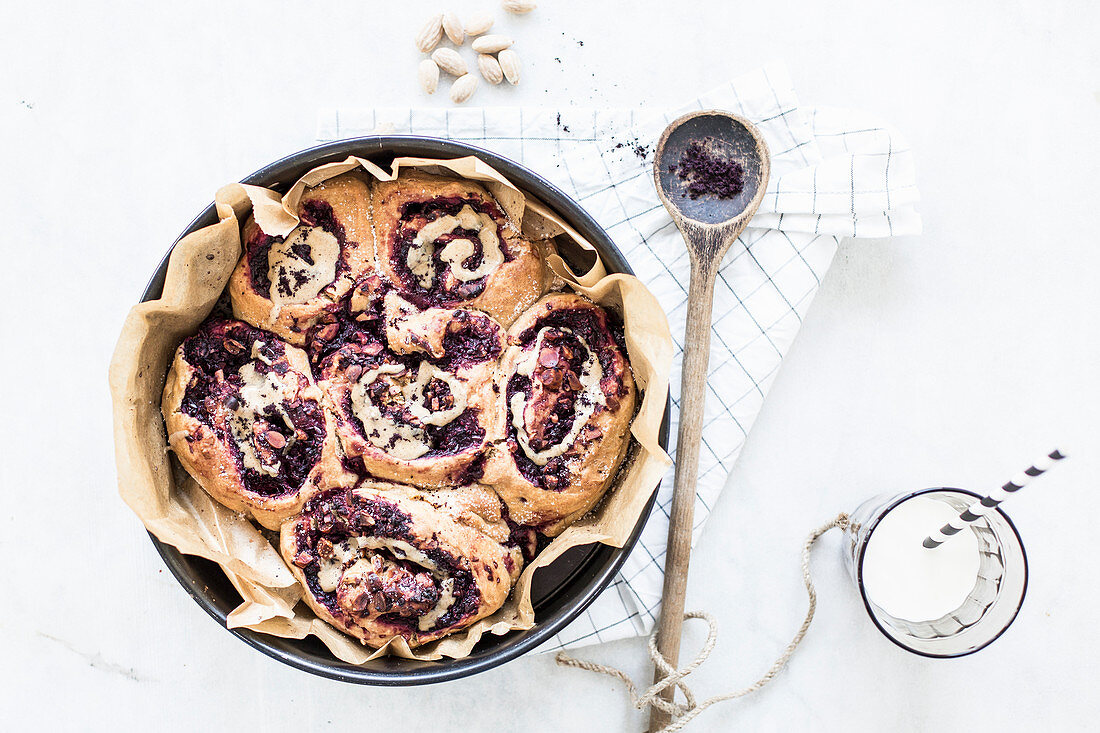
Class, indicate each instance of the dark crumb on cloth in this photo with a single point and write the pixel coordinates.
(635, 146)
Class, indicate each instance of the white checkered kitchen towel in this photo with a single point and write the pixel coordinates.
(835, 174)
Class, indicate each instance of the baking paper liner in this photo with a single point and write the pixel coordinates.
(179, 513)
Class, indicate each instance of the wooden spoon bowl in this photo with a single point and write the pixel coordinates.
(730, 136)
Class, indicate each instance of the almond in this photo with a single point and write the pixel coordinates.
(491, 44)
(509, 64)
(449, 61)
(463, 88)
(479, 24)
(431, 34)
(489, 68)
(519, 7)
(452, 26)
(428, 76)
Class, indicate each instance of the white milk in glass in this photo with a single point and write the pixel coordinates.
(906, 579)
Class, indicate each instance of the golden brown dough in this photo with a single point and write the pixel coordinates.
(382, 560)
(283, 283)
(246, 420)
(446, 242)
(568, 398)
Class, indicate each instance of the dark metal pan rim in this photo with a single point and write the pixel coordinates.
(577, 578)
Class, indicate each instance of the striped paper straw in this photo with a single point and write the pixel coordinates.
(987, 504)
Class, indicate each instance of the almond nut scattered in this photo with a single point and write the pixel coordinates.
(491, 43)
(449, 61)
(431, 34)
(428, 75)
(479, 24)
(452, 26)
(463, 88)
(489, 68)
(509, 64)
(519, 7)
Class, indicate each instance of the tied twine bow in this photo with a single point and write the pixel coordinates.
(684, 713)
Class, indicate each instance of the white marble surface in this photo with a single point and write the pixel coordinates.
(951, 358)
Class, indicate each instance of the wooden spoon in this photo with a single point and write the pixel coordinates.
(709, 225)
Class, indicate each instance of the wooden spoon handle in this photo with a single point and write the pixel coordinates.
(692, 397)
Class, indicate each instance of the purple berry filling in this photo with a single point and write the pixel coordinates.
(471, 473)
(522, 536)
(217, 352)
(312, 212)
(341, 324)
(593, 325)
(213, 348)
(338, 514)
(295, 461)
(475, 339)
(429, 211)
(318, 213)
(562, 390)
(258, 248)
(459, 435)
(554, 476)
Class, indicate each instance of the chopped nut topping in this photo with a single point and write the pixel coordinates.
(551, 378)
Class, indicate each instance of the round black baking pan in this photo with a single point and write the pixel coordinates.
(560, 591)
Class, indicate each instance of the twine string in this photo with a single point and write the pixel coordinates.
(683, 713)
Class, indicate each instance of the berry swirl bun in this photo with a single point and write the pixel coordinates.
(414, 390)
(446, 242)
(568, 399)
(283, 283)
(381, 560)
(246, 420)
